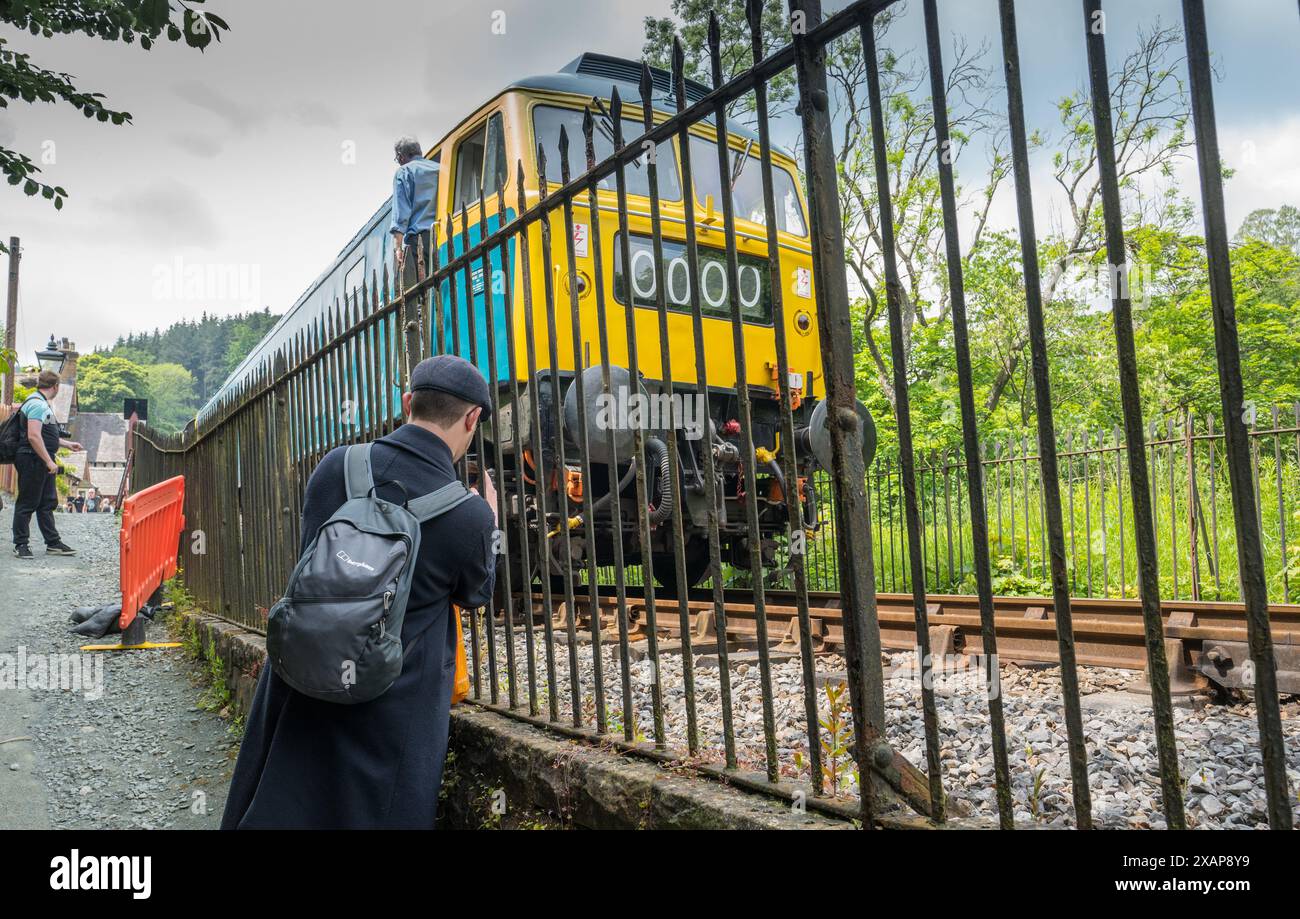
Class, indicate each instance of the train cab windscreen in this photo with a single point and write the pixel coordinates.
(547, 120)
(746, 186)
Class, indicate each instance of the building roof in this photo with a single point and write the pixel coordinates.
(106, 480)
(76, 463)
(103, 434)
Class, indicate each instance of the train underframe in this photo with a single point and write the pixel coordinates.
(664, 417)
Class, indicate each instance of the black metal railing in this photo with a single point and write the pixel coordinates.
(1191, 514)
(662, 506)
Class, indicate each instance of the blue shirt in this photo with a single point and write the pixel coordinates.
(38, 409)
(415, 187)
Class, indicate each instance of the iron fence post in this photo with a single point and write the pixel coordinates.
(835, 327)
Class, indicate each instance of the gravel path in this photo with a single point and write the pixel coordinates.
(130, 747)
(1218, 745)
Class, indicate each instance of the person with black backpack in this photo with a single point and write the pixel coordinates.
(348, 724)
(38, 439)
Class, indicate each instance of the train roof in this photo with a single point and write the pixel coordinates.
(594, 74)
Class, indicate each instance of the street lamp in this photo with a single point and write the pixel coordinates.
(51, 358)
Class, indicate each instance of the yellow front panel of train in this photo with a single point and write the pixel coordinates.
(712, 287)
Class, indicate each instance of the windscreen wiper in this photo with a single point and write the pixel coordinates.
(606, 125)
(739, 163)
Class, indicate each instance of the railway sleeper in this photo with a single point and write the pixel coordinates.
(1228, 664)
(1198, 653)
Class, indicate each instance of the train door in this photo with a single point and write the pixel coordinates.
(479, 170)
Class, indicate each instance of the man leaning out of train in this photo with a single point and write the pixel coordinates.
(415, 190)
(310, 763)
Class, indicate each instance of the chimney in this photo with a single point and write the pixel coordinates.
(68, 377)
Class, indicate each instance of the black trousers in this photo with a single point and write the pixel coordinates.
(36, 494)
(417, 247)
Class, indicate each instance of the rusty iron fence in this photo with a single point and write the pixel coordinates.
(1191, 513)
(337, 382)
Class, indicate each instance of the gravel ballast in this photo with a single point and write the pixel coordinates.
(1218, 747)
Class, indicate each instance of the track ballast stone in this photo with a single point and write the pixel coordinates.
(1218, 746)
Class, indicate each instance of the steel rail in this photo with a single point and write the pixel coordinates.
(1109, 633)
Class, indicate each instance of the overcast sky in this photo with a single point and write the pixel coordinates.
(240, 157)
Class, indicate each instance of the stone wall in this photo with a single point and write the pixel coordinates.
(504, 773)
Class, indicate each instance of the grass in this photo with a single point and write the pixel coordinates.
(210, 674)
(1097, 523)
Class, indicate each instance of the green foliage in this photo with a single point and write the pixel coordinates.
(209, 347)
(1036, 790)
(1010, 581)
(689, 22)
(171, 396)
(1278, 227)
(184, 364)
(1175, 332)
(104, 381)
(216, 695)
(62, 487)
(838, 770)
(124, 21)
(176, 593)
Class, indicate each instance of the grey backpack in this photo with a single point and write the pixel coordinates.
(336, 634)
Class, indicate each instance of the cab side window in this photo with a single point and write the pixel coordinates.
(480, 163)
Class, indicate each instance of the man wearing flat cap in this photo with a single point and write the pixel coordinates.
(313, 764)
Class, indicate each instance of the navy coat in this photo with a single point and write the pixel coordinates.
(313, 764)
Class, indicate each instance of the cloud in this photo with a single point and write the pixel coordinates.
(237, 116)
(166, 213)
(313, 114)
(192, 142)
(1262, 155)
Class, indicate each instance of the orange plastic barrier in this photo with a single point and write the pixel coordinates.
(152, 522)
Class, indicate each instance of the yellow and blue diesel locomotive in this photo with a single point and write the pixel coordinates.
(477, 160)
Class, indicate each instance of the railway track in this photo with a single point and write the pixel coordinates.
(1204, 640)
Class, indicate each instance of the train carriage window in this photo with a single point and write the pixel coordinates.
(747, 187)
(548, 119)
(485, 147)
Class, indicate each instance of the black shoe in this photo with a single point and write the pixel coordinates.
(59, 548)
(22, 552)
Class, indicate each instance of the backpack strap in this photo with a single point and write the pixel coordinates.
(356, 470)
(438, 502)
